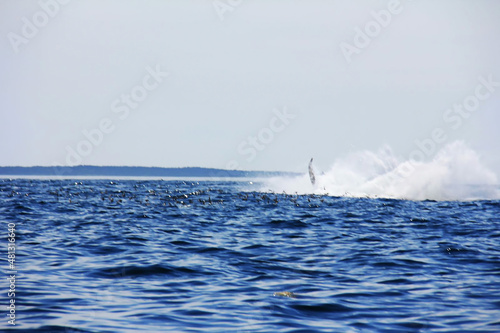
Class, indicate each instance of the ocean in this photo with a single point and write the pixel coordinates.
(101, 255)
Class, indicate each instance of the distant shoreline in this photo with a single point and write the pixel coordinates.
(133, 172)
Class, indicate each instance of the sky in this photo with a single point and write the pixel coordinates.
(245, 84)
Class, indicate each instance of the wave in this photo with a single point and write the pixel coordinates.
(455, 173)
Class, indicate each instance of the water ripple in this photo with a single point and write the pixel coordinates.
(156, 256)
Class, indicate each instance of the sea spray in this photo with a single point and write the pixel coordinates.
(454, 173)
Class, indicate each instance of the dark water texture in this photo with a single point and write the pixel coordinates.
(175, 256)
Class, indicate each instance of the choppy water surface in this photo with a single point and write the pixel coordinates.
(174, 256)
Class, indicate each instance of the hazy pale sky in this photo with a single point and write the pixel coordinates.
(250, 84)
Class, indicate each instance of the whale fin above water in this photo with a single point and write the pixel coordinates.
(311, 172)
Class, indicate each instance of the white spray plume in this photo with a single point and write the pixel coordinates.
(455, 173)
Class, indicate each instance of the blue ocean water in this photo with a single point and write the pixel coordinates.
(221, 256)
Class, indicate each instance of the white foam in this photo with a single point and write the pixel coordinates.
(455, 173)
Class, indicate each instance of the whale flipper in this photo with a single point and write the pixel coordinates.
(311, 173)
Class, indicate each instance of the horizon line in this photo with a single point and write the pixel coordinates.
(142, 166)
